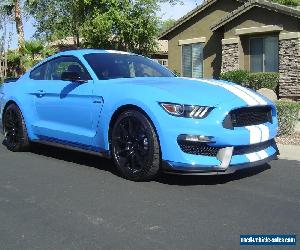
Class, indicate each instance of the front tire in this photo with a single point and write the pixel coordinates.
(16, 138)
(135, 147)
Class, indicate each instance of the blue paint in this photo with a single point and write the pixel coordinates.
(80, 114)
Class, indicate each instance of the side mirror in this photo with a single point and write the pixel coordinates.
(71, 76)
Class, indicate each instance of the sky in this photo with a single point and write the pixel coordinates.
(167, 11)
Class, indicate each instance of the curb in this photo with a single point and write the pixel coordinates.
(289, 152)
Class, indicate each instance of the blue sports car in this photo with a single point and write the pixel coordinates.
(137, 112)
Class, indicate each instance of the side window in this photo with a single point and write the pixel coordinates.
(143, 70)
(57, 66)
(39, 72)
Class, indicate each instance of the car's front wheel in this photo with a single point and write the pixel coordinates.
(16, 138)
(135, 146)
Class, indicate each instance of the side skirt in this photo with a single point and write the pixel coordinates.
(77, 148)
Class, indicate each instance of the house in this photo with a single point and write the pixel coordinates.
(225, 35)
(161, 55)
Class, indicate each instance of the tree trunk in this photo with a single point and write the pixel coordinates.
(19, 24)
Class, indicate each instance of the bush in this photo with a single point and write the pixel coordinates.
(262, 80)
(236, 76)
(254, 81)
(288, 114)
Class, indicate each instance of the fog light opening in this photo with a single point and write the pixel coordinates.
(196, 138)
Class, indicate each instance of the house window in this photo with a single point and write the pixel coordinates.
(163, 62)
(192, 60)
(264, 53)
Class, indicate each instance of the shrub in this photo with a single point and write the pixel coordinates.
(262, 80)
(254, 81)
(236, 76)
(288, 114)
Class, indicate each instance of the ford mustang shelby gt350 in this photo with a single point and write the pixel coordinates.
(139, 113)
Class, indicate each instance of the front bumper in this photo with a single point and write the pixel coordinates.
(185, 169)
(227, 160)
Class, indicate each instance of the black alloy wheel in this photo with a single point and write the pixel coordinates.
(16, 138)
(135, 147)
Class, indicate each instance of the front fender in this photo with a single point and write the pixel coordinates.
(102, 136)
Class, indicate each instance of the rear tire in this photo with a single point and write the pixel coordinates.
(16, 137)
(135, 146)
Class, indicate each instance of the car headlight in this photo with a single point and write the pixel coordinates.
(189, 111)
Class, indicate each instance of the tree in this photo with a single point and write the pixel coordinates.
(13, 8)
(33, 52)
(166, 24)
(5, 42)
(57, 19)
(111, 24)
(126, 25)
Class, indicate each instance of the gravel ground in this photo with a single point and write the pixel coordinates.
(289, 139)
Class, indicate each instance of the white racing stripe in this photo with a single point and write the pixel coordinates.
(256, 97)
(245, 94)
(250, 93)
(257, 156)
(252, 157)
(117, 52)
(265, 132)
(255, 134)
(262, 154)
(241, 94)
(258, 133)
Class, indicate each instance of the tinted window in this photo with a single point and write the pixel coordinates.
(38, 73)
(111, 66)
(264, 54)
(56, 67)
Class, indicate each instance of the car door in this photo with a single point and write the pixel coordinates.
(64, 108)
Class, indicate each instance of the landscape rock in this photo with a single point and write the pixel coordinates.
(270, 94)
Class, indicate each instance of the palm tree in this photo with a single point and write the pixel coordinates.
(34, 51)
(13, 8)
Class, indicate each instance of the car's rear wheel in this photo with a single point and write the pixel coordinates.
(16, 138)
(135, 147)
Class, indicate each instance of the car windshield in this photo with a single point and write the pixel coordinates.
(114, 65)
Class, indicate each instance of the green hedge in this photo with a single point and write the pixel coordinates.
(254, 81)
(236, 76)
(288, 114)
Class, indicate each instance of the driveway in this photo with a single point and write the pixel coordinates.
(58, 199)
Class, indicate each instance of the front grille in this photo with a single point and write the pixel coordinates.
(206, 150)
(241, 150)
(249, 116)
(198, 149)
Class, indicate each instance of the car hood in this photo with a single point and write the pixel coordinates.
(182, 90)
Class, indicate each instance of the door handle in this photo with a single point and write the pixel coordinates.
(40, 93)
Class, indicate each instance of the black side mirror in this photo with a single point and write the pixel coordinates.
(71, 76)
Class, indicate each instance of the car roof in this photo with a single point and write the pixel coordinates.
(82, 52)
(78, 53)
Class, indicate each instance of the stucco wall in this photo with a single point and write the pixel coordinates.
(257, 17)
(199, 26)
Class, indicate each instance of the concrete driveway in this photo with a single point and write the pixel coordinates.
(58, 199)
